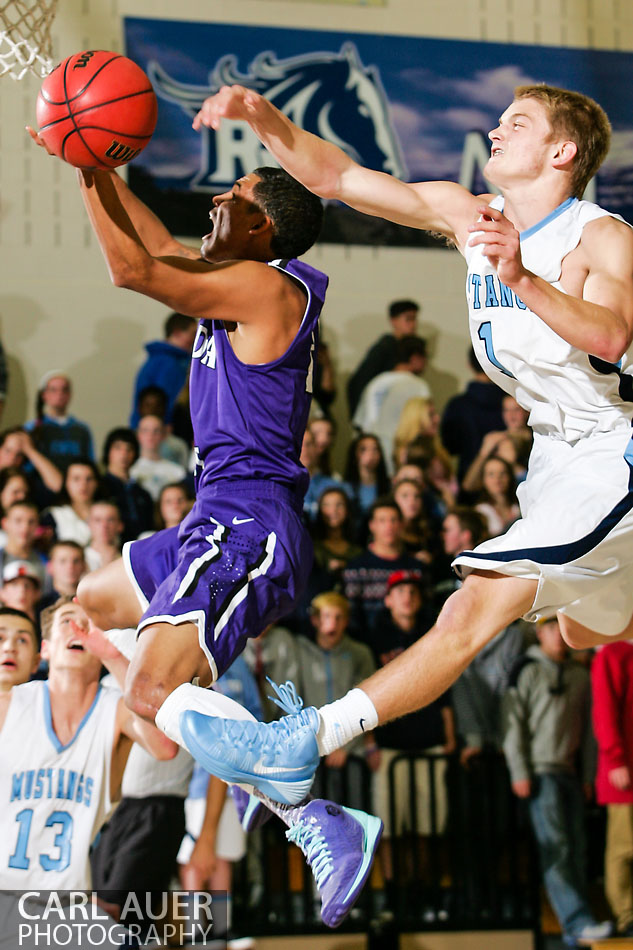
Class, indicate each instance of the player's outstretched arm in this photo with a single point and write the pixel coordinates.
(121, 244)
(595, 311)
(194, 287)
(145, 733)
(151, 230)
(129, 261)
(128, 724)
(327, 171)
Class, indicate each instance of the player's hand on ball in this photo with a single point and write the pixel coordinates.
(231, 102)
(37, 138)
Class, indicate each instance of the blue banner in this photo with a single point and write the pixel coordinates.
(414, 107)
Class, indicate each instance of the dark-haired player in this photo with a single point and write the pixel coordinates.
(240, 558)
(242, 552)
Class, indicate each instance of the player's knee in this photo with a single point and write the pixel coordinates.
(579, 637)
(143, 695)
(577, 641)
(88, 594)
(464, 622)
(148, 683)
(104, 596)
(457, 611)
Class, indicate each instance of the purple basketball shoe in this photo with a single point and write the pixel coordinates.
(339, 845)
(251, 811)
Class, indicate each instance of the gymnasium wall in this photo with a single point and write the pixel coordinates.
(57, 306)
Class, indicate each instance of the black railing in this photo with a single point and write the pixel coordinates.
(457, 855)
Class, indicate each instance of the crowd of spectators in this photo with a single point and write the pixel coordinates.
(416, 488)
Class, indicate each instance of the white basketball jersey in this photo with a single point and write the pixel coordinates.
(568, 393)
(53, 798)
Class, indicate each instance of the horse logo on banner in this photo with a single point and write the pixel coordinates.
(330, 94)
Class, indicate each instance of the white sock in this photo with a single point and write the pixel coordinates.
(344, 719)
(207, 701)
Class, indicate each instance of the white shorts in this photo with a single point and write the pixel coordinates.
(230, 840)
(575, 534)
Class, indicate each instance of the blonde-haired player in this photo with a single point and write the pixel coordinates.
(550, 296)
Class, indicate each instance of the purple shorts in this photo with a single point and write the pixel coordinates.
(237, 563)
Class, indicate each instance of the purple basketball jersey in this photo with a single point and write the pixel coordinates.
(242, 556)
(248, 420)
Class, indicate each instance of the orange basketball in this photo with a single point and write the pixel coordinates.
(96, 110)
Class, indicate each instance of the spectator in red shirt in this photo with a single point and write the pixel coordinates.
(612, 687)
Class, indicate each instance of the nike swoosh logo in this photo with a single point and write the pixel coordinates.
(242, 520)
(259, 769)
(361, 724)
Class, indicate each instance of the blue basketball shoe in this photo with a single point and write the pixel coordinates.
(251, 810)
(339, 845)
(278, 758)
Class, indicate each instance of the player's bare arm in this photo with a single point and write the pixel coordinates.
(154, 741)
(128, 726)
(196, 873)
(327, 171)
(181, 279)
(152, 231)
(595, 313)
(131, 728)
(195, 287)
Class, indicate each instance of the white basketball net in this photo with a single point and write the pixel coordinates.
(25, 42)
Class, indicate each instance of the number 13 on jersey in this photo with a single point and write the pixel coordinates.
(62, 840)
